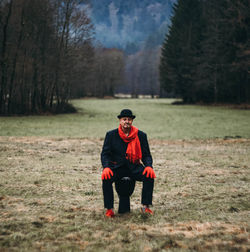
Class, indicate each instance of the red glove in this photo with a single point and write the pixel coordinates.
(150, 172)
(106, 173)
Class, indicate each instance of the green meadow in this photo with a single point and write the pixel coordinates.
(157, 117)
(50, 180)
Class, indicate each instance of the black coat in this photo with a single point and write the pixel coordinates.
(114, 152)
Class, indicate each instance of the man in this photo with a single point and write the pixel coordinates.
(126, 153)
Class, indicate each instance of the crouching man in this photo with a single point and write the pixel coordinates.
(126, 153)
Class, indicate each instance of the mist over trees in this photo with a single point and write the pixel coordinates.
(141, 73)
(206, 54)
(138, 28)
(127, 24)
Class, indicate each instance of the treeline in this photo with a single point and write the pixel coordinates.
(105, 74)
(206, 54)
(141, 73)
(142, 68)
(47, 57)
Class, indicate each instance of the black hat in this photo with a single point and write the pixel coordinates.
(126, 113)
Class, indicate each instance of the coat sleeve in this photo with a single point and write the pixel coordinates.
(146, 155)
(106, 151)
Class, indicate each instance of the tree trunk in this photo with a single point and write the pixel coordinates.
(4, 66)
(13, 74)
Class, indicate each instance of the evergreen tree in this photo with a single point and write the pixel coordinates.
(238, 19)
(205, 56)
(223, 74)
(180, 49)
(213, 52)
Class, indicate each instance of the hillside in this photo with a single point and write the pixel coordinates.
(128, 24)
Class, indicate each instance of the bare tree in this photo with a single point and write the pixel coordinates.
(6, 7)
(108, 72)
(42, 44)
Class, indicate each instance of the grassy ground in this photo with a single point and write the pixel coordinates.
(157, 117)
(50, 186)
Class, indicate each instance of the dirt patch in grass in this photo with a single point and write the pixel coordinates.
(51, 198)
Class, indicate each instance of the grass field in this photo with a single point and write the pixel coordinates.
(50, 186)
(157, 117)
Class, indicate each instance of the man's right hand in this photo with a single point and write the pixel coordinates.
(106, 173)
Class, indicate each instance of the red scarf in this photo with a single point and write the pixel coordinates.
(133, 152)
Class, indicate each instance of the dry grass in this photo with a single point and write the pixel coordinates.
(51, 199)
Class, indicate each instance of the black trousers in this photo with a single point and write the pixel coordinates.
(147, 186)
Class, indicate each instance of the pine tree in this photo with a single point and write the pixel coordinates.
(238, 19)
(224, 62)
(205, 56)
(180, 49)
(213, 52)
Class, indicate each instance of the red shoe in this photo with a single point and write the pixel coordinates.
(109, 213)
(147, 210)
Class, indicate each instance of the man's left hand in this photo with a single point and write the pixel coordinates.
(149, 171)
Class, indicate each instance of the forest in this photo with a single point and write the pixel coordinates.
(47, 57)
(206, 54)
(49, 53)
